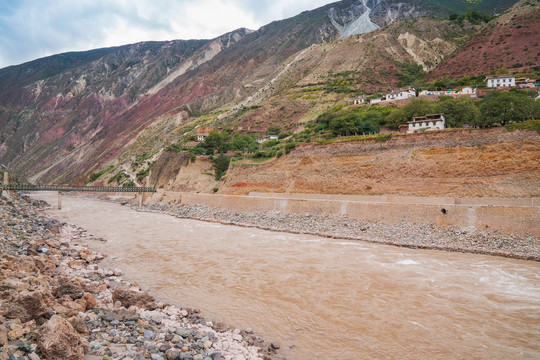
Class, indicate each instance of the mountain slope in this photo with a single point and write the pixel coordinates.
(461, 6)
(509, 41)
(66, 116)
(87, 105)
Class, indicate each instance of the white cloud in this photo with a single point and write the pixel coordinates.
(30, 29)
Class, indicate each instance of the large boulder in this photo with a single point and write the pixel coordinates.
(129, 297)
(74, 288)
(3, 336)
(59, 340)
(35, 303)
(47, 266)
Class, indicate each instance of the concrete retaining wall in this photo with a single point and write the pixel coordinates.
(508, 215)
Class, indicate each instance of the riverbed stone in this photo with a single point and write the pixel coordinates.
(72, 301)
(74, 288)
(172, 354)
(58, 339)
(130, 297)
(185, 333)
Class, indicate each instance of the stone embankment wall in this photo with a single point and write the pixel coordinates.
(504, 214)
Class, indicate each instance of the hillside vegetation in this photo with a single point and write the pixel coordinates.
(120, 116)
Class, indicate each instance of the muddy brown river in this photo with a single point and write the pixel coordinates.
(324, 298)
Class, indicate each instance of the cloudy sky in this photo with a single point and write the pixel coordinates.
(30, 29)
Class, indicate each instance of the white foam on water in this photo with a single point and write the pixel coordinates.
(407, 262)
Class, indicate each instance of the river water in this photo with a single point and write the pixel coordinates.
(324, 298)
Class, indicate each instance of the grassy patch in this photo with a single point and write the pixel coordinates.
(533, 125)
(94, 176)
(120, 177)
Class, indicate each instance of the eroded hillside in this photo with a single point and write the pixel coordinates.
(457, 163)
(68, 116)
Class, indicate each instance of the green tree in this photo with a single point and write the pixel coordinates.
(419, 107)
(221, 165)
(274, 130)
(325, 118)
(345, 124)
(242, 142)
(459, 112)
(506, 107)
(213, 140)
(269, 143)
(396, 118)
(375, 116)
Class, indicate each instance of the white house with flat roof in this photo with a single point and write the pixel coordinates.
(400, 94)
(426, 123)
(500, 81)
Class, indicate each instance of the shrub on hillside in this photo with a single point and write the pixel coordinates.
(221, 165)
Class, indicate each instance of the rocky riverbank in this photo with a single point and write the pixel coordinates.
(469, 240)
(57, 302)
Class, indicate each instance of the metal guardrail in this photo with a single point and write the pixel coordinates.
(16, 187)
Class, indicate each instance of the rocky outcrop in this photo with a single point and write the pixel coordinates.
(59, 340)
(35, 304)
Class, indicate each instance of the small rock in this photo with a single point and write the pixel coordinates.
(172, 354)
(33, 356)
(16, 333)
(184, 332)
(164, 347)
(176, 339)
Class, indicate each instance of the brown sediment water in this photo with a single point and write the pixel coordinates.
(324, 298)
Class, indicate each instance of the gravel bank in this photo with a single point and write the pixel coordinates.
(469, 240)
(57, 302)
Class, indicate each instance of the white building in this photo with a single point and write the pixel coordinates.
(500, 81)
(269, 137)
(526, 83)
(203, 132)
(401, 94)
(360, 100)
(466, 91)
(426, 123)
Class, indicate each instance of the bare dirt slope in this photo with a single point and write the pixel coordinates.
(450, 163)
